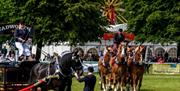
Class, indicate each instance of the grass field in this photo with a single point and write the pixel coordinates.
(150, 83)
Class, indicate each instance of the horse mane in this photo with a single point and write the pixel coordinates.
(120, 57)
(137, 48)
(119, 49)
(129, 49)
(138, 53)
(107, 56)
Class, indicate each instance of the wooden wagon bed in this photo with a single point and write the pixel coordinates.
(15, 75)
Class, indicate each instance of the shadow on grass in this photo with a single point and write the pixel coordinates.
(146, 90)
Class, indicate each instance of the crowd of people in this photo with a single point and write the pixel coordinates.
(7, 54)
(22, 42)
(162, 59)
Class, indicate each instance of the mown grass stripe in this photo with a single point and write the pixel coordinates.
(150, 83)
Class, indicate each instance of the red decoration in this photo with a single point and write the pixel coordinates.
(128, 36)
(108, 36)
(113, 15)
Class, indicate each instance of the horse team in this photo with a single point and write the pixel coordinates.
(122, 70)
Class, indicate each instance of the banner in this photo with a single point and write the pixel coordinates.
(167, 68)
(9, 28)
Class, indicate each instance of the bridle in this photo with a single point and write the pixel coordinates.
(72, 69)
(137, 53)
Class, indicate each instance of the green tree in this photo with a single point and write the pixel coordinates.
(154, 20)
(6, 16)
(7, 11)
(75, 21)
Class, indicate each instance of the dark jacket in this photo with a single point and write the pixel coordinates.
(118, 37)
(90, 81)
(24, 34)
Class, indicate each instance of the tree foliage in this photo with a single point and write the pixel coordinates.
(54, 21)
(76, 21)
(154, 20)
(7, 11)
(6, 16)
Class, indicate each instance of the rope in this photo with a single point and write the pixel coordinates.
(39, 82)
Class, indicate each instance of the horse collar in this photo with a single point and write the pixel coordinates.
(60, 70)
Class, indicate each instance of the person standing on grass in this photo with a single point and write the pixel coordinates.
(89, 79)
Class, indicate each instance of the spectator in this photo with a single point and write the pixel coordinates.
(90, 57)
(4, 51)
(178, 59)
(169, 59)
(154, 59)
(90, 80)
(11, 55)
(160, 60)
(101, 52)
(166, 55)
(175, 60)
(1, 57)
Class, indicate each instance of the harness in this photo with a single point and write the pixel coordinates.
(57, 64)
(134, 59)
(117, 62)
(60, 69)
(64, 52)
(123, 54)
(71, 69)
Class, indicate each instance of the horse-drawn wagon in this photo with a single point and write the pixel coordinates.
(15, 75)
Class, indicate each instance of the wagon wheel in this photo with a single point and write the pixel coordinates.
(113, 10)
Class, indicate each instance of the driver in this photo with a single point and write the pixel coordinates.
(22, 41)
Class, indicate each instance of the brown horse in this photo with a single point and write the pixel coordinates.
(130, 55)
(136, 68)
(104, 70)
(119, 69)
